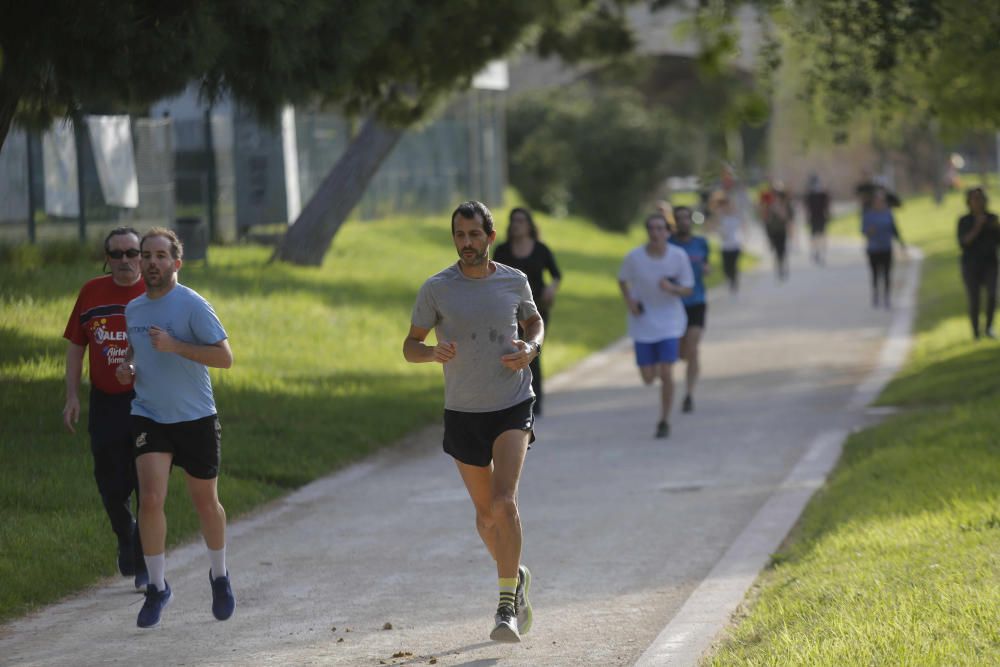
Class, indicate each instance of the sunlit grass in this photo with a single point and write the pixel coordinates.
(897, 559)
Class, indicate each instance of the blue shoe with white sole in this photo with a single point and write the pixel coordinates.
(156, 602)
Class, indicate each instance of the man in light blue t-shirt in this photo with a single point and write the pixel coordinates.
(654, 278)
(174, 337)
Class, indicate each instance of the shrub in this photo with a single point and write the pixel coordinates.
(596, 153)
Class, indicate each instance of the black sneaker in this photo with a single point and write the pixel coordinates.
(688, 405)
(524, 614)
(505, 629)
(156, 602)
(223, 600)
(663, 430)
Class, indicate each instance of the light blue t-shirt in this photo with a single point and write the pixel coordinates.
(697, 249)
(168, 387)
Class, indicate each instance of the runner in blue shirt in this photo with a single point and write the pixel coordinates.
(174, 337)
(879, 227)
(696, 248)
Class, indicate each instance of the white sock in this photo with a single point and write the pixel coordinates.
(156, 566)
(218, 559)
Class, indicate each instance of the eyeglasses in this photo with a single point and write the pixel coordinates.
(131, 253)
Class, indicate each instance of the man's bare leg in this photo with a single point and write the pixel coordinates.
(479, 483)
(690, 346)
(205, 496)
(666, 374)
(153, 470)
(509, 450)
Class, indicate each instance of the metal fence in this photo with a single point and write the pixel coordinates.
(224, 167)
(23, 214)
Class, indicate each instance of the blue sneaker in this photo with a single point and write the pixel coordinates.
(141, 580)
(223, 600)
(156, 602)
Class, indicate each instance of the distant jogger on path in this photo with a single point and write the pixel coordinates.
(695, 304)
(879, 227)
(778, 217)
(653, 279)
(731, 232)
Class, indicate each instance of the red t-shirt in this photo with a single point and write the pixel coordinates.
(98, 321)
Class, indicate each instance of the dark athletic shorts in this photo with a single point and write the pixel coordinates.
(696, 315)
(196, 445)
(469, 436)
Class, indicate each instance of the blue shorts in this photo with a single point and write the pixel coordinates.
(665, 351)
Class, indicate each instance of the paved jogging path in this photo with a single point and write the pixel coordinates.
(621, 529)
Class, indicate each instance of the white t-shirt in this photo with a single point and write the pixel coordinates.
(731, 231)
(663, 313)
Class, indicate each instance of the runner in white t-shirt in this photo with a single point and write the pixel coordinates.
(653, 280)
(731, 227)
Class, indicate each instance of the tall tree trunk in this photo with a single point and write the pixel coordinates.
(310, 236)
(8, 105)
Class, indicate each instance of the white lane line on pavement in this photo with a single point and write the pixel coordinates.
(709, 608)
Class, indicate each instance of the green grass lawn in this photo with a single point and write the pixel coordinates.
(897, 559)
(319, 379)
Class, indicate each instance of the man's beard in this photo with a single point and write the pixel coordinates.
(477, 259)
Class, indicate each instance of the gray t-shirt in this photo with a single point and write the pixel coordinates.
(480, 316)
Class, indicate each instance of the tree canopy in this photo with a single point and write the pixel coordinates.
(395, 58)
(936, 59)
(57, 56)
(393, 61)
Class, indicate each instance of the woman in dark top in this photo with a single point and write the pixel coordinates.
(526, 253)
(776, 212)
(979, 237)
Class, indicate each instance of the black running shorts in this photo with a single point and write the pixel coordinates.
(196, 445)
(469, 436)
(696, 315)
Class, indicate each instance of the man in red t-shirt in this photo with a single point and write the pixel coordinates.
(98, 322)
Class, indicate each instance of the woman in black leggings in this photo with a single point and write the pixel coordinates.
(879, 227)
(979, 237)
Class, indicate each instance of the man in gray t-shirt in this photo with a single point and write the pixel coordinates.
(475, 307)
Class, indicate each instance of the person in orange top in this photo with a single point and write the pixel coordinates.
(98, 323)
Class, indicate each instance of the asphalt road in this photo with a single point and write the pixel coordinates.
(620, 528)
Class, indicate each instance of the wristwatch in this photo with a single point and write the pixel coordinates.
(538, 347)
